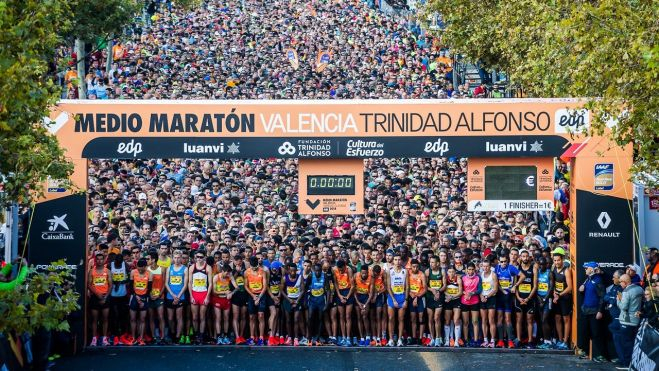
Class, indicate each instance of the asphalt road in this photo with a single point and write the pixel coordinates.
(293, 359)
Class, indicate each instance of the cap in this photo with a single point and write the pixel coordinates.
(634, 267)
(590, 265)
(459, 233)
(275, 265)
(189, 212)
(142, 196)
(559, 251)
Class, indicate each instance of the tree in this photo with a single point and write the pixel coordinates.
(29, 154)
(604, 50)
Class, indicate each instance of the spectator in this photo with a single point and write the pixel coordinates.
(593, 291)
(632, 272)
(629, 301)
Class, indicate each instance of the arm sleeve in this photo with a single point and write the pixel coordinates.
(6, 269)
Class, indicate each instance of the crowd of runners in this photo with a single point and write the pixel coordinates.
(187, 251)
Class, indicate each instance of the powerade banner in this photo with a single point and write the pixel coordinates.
(646, 349)
(59, 231)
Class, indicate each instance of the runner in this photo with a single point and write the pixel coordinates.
(239, 298)
(434, 300)
(379, 319)
(156, 302)
(119, 299)
(274, 303)
(330, 315)
(470, 299)
(525, 302)
(176, 284)
(562, 299)
(199, 294)
(364, 293)
(140, 281)
(397, 289)
(452, 320)
(100, 281)
(256, 279)
(506, 274)
(544, 300)
(293, 285)
(416, 303)
(344, 301)
(221, 304)
(490, 285)
(319, 297)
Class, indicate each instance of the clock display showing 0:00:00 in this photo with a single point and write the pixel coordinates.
(330, 185)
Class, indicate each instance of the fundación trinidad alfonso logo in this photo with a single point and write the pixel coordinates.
(58, 229)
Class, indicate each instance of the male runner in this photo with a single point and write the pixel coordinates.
(273, 301)
(156, 298)
(378, 302)
(452, 320)
(200, 279)
(319, 296)
(100, 282)
(176, 284)
(363, 295)
(256, 279)
(544, 299)
(293, 287)
(239, 298)
(490, 285)
(221, 305)
(563, 286)
(398, 290)
(140, 282)
(525, 296)
(344, 300)
(434, 298)
(416, 302)
(506, 274)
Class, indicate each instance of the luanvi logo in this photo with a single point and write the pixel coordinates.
(604, 222)
(571, 120)
(58, 229)
(130, 148)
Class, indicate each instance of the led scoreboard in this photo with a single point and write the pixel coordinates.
(331, 186)
(510, 184)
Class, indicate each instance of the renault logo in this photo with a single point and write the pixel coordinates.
(604, 220)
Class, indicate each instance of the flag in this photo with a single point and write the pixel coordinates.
(322, 60)
(164, 235)
(291, 55)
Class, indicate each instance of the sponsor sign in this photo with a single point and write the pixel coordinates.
(571, 120)
(55, 185)
(603, 177)
(645, 355)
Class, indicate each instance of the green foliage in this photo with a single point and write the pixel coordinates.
(28, 152)
(101, 18)
(606, 50)
(20, 311)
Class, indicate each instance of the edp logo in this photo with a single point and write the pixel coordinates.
(571, 120)
(131, 148)
(436, 147)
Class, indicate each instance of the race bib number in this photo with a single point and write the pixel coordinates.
(525, 288)
(292, 291)
(155, 292)
(175, 280)
(140, 284)
(274, 289)
(255, 285)
(505, 284)
(487, 286)
(100, 281)
(560, 286)
(414, 288)
(240, 281)
(221, 288)
(362, 290)
(379, 287)
(542, 286)
(398, 289)
(452, 291)
(343, 284)
(435, 284)
(118, 277)
(199, 282)
(317, 292)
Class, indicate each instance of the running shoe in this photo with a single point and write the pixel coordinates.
(219, 340)
(260, 342)
(491, 345)
(187, 340)
(391, 343)
(289, 341)
(408, 341)
(240, 340)
(105, 341)
(500, 344)
(147, 338)
(544, 346)
(516, 342)
(354, 342)
(272, 341)
(94, 342)
(296, 342)
(561, 346)
(485, 344)
(346, 342)
(140, 341)
(383, 342)
(250, 341)
(438, 342)
(461, 343)
(374, 343)
(304, 341)
(362, 343)
(451, 343)
(447, 342)
(400, 343)
(511, 344)
(281, 340)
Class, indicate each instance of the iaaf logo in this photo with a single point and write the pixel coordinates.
(58, 229)
(571, 120)
(131, 148)
(436, 147)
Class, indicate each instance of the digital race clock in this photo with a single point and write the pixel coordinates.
(330, 185)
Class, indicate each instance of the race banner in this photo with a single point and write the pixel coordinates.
(646, 348)
(291, 55)
(322, 60)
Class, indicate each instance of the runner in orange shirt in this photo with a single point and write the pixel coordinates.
(99, 281)
(364, 293)
(255, 283)
(416, 302)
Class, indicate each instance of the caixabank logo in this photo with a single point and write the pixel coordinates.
(58, 229)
